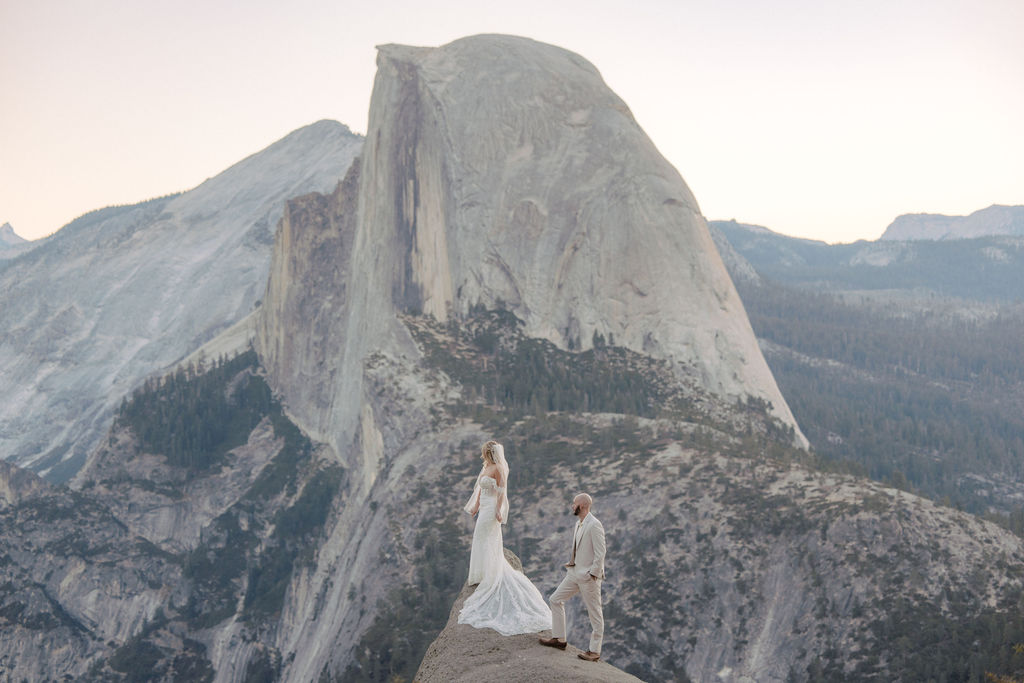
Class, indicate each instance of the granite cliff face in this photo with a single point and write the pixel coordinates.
(123, 292)
(166, 504)
(995, 220)
(729, 558)
(301, 328)
(498, 169)
(160, 565)
(72, 579)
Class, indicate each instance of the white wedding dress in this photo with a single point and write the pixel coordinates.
(505, 600)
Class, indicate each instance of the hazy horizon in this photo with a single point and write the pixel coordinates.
(814, 121)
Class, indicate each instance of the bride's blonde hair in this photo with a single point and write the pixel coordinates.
(487, 450)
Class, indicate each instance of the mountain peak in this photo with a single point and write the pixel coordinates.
(17, 484)
(535, 187)
(8, 237)
(998, 219)
(109, 270)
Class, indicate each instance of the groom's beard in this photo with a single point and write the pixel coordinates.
(576, 510)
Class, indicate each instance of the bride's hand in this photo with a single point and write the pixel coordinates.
(497, 516)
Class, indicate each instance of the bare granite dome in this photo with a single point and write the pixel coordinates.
(511, 171)
(502, 171)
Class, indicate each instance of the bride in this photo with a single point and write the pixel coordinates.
(504, 600)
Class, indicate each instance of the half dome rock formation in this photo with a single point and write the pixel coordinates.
(463, 653)
(503, 172)
(497, 173)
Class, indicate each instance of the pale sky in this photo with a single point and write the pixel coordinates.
(816, 118)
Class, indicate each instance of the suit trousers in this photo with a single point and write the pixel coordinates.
(589, 589)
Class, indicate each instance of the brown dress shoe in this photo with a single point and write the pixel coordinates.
(553, 642)
(589, 656)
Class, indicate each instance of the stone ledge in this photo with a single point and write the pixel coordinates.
(463, 653)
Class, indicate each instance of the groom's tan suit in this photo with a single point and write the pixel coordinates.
(584, 574)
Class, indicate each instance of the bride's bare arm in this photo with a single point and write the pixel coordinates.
(499, 477)
(473, 506)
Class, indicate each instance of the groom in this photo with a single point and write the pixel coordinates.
(584, 574)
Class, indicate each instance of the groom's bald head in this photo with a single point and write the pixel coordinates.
(584, 501)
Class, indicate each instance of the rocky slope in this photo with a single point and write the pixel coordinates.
(730, 558)
(995, 220)
(170, 561)
(901, 357)
(72, 579)
(125, 291)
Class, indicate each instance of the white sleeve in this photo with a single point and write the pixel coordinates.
(599, 549)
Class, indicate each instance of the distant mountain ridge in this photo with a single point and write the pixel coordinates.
(994, 220)
(979, 268)
(900, 356)
(125, 291)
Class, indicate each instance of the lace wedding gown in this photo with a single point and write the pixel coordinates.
(505, 600)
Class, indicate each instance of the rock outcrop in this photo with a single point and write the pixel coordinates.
(301, 328)
(995, 220)
(12, 244)
(464, 654)
(9, 238)
(168, 505)
(123, 292)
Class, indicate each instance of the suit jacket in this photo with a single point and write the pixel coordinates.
(590, 548)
